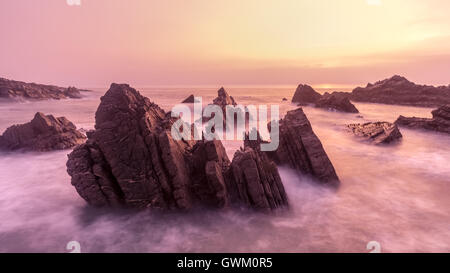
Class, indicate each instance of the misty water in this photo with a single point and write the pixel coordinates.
(397, 195)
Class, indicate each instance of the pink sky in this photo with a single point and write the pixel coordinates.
(211, 42)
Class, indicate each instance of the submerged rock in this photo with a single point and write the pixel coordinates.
(300, 149)
(336, 102)
(398, 90)
(305, 94)
(10, 89)
(377, 132)
(43, 133)
(439, 123)
(132, 160)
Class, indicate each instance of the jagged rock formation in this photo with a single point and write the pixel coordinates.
(132, 160)
(190, 99)
(223, 99)
(377, 132)
(255, 180)
(305, 94)
(10, 89)
(43, 133)
(300, 148)
(398, 90)
(337, 102)
(439, 123)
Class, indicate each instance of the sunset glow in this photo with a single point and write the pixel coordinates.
(224, 42)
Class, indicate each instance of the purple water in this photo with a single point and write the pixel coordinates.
(397, 195)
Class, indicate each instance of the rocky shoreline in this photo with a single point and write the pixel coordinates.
(131, 159)
(336, 101)
(439, 123)
(16, 90)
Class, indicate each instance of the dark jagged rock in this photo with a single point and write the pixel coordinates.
(223, 99)
(398, 90)
(300, 148)
(132, 160)
(255, 181)
(377, 132)
(190, 99)
(209, 162)
(43, 133)
(284, 99)
(10, 89)
(336, 102)
(439, 123)
(305, 94)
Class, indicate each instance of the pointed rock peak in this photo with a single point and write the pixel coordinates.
(223, 98)
(398, 78)
(305, 94)
(393, 80)
(121, 95)
(303, 86)
(41, 120)
(190, 99)
(39, 115)
(222, 93)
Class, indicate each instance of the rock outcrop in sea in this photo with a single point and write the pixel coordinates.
(43, 133)
(190, 99)
(337, 101)
(300, 149)
(223, 100)
(377, 132)
(439, 123)
(132, 160)
(11, 90)
(398, 90)
(305, 94)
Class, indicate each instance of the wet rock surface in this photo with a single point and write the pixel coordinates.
(43, 133)
(11, 90)
(398, 90)
(439, 123)
(132, 160)
(377, 132)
